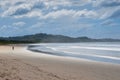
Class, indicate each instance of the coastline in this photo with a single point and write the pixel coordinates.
(48, 49)
(22, 64)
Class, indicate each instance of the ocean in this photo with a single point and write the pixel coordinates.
(96, 51)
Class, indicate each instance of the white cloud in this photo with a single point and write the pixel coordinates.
(22, 7)
(110, 12)
(71, 13)
(107, 8)
(66, 2)
(34, 13)
(7, 27)
(109, 23)
(5, 4)
(106, 3)
(19, 24)
(51, 8)
(17, 10)
(56, 8)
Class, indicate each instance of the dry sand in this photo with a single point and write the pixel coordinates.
(21, 64)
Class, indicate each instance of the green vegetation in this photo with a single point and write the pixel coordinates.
(12, 42)
(48, 38)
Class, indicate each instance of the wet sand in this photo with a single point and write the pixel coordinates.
(22, 64)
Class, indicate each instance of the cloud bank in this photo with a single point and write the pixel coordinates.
(67, 17)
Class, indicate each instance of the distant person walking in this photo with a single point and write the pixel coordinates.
(13, 48)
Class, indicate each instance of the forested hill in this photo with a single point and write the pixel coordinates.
(48, 38)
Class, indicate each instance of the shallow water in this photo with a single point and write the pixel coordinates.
(98, 51)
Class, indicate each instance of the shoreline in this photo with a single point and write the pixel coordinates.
(97, 58)
(35, 66)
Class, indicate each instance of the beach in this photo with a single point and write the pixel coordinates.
(22, 64)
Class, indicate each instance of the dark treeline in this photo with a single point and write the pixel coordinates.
(13, 42)
(48, 38)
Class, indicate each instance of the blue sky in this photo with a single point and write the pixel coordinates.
(92, 18)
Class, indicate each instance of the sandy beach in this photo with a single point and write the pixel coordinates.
(22, 64)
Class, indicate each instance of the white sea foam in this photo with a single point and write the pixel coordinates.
(97, 48)
(100, 52)
(99, 56)
(52, 48)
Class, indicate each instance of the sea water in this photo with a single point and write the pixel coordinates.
(97, 51)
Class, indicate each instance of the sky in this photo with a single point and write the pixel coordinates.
(76, 18)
